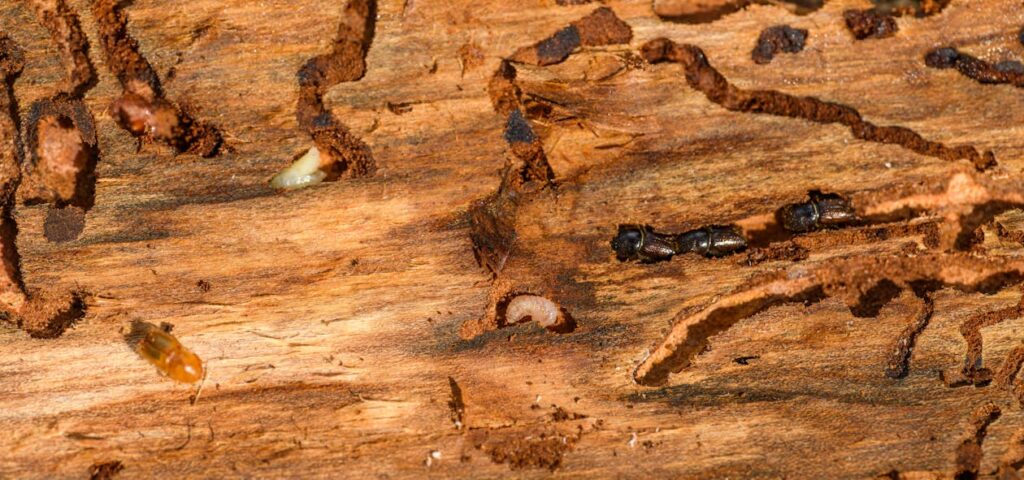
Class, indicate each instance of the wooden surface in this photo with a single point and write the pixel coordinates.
(330, 328)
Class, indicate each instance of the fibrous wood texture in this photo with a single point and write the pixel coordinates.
(348, 329)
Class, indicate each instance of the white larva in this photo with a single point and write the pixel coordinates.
(303, 172)
(539, 309)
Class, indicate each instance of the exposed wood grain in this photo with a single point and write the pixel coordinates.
(329, 317)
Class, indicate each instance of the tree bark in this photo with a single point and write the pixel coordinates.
(348, 329)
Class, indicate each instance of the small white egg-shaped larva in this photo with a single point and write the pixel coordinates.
(539, 309)
(303, 172)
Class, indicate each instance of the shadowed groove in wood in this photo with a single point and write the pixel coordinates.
(690, 334)
(12, 290)
(969, 453)
(60, 172)
(701, 76)
(972, 372)
(898, 364)
(142, 109)
(346, 153)
(65, 30)
(492, 220)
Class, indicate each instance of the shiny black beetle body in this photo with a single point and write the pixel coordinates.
(822, 210)
(641, 242)
(712, 241)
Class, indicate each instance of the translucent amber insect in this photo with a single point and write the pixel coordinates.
(159, 347)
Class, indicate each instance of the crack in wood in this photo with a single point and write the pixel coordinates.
(456, 405)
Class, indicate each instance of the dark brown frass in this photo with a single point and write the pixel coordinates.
(703, 77)
(870, 23)
(780, 38)
(1006, 72)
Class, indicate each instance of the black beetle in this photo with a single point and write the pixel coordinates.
(641, 242)
(822, 210)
